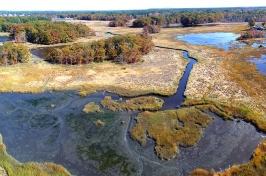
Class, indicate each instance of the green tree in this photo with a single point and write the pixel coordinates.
(13, 53)
(251, 22)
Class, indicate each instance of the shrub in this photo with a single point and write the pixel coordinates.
(252, 34)
(151, 29)
(45, 32)
(13, 53)
(251, 22)
(141, 22)
(118, 22)
(127, 49)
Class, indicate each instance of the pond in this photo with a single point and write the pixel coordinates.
(223, 40)
(260, 64)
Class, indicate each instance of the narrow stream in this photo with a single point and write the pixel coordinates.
(177, 99)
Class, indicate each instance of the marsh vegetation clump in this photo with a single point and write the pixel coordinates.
(230, 111)
(256, 167)
(146, 103)
(251, 34)
(13, 53)
(14, 168)
(122, 49)
(170, 129)
(92, 107)
(99, 123)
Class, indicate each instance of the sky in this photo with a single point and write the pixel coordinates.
(121, 4)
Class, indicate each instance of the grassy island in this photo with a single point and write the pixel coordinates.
(170, 129)
(147, 103)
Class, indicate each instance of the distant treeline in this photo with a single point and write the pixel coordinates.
(173, 16)
(125, 49)
(6, 22)
(37, 30)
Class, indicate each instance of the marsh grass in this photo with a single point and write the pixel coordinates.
(14, 168)
(170, 129)
(134, 104)
(256, 167)
(92, 107)
(245, 73)
(232, 110)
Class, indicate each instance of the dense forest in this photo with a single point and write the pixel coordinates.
(6, 22)
(13, 53)
(37, 30)
(123, 49)
(167, 17)
(174, 16)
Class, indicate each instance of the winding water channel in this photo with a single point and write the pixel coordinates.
(51, 126)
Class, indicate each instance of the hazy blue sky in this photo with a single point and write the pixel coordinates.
(120, 4)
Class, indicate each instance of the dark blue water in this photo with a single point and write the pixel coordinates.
(4, 38)
(223, 40)
(260, 64)
(177, 99)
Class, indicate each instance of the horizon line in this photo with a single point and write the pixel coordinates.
(52, 10)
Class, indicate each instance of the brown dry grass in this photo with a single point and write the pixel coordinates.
(220, 75)
(159, 73)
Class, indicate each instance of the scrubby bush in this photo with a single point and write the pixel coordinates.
(252, 34)
(126, 49)
(45, 32)
(141, 22)
(251, 22)
(151, 29)
(13, 53)
(119, 22)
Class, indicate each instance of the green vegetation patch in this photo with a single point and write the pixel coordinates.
(230, 111)
(14, 168)
(170, 129)
(13, 53)
(256, 167)
(146, 103)
(106, 157)
(91, 107)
